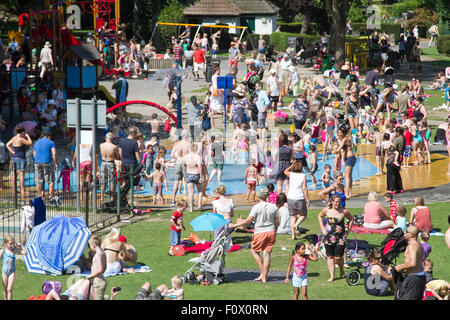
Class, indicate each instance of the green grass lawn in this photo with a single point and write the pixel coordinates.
(442, 61)
(151, 239)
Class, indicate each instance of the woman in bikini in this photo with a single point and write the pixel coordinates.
(346, 147)
(112, 247)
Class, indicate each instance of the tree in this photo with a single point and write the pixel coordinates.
(338, 11)
(443, 10)
(310, 11)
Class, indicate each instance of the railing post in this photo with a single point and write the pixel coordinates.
(118, 195)
(132, 188)
(86, 196)
(15, 185)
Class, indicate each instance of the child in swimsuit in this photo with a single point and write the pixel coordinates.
(251, 179)
(299, 259)
(158, 177)
(8, 253)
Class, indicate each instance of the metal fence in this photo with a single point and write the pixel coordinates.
(68, 200)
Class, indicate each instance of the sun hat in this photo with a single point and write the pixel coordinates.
(239, 91)
(51, 101)
(262, 192)
(47, 44)
(273, 71)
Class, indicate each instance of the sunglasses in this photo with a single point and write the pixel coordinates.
(377, 258)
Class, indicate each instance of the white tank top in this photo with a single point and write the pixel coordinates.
(295, 186)
(85, 154)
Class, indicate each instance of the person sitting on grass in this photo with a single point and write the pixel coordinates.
(375, 215)
(377, 280)
(176, 293)
(146, 292)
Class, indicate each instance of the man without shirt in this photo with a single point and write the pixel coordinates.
(180, 149)
(413, 285)
(96, 277)
(193, 164)
(110, 153)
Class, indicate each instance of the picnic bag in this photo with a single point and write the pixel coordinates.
(47, 286)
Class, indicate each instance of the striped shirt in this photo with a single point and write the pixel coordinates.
(393, 206)
(177, 52)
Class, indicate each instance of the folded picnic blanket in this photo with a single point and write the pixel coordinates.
(200, 248)
(137, 268)
(362, 230)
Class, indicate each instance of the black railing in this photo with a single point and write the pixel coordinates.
(67, 200)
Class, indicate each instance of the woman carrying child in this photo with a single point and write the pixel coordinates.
(299, 259)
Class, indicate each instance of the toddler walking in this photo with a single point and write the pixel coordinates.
(299, 259)
(176, 225)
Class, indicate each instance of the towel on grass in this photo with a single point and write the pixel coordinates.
(362, 230)
(137, 268)
(200, 248)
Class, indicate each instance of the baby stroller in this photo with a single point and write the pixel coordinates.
(210, 264)
(250, 83)
(392, 246)
(111, 206)
(356, 251)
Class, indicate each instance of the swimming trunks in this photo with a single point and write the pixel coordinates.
(192, 178)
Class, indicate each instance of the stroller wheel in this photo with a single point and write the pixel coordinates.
(353, 277)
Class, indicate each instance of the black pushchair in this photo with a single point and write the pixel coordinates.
(394, 244)
(111, 206)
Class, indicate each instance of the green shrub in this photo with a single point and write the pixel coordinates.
(408, 5)
(424, 19)
(446, 48)
(279, 39)
(296, 27)
(440, 42)
(389, 28)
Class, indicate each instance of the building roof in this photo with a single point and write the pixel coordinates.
(230, 8)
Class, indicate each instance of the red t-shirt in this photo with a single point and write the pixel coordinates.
(408, 137)
(177, 219)
(199, 56)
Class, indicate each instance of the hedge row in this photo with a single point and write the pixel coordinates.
(296, 27)
(279, 39)
(443, 44)
(389, 28)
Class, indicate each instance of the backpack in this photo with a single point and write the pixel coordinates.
(47, 286)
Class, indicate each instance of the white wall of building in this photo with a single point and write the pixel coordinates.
(230, 21)
(265, 24)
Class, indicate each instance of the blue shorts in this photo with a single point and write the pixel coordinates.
(350, 161)
(299, 282)
(175, 237)
(215, 51)
(407, 153)
(261, 50)
(19, 163)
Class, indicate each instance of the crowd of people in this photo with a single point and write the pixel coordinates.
(393, 118)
